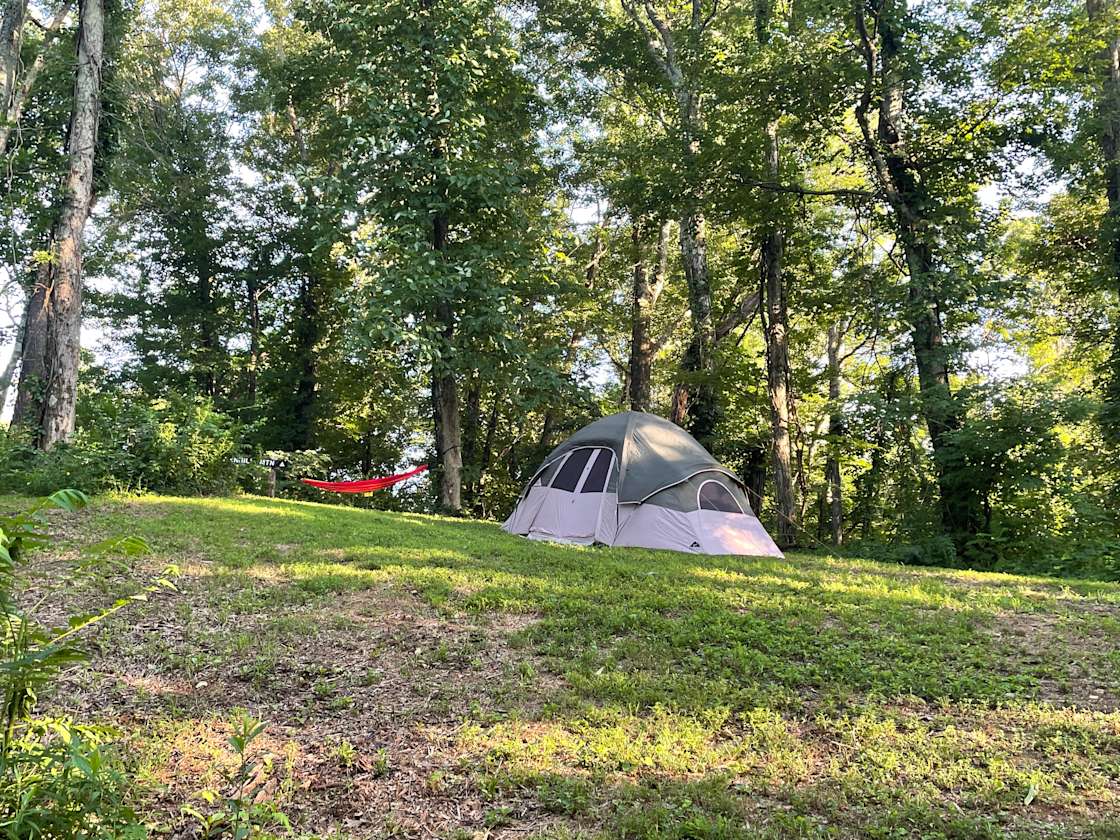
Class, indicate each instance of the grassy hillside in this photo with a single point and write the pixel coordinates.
(425, 676)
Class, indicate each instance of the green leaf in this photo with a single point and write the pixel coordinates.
(69, 500)
(129, 546)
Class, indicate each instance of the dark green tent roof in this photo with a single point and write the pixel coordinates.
(652, 452)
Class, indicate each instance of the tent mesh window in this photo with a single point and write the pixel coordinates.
(569, 474)
(597, 476)
(714, 496)
(547, 473)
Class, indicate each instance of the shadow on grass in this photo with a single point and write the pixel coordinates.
(718, 807)
(851, 694)
(641, 627)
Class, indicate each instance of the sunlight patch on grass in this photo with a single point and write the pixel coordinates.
(684, 697)
(980, 759)
(189, 755)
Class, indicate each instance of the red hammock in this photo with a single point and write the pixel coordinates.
(364, 486)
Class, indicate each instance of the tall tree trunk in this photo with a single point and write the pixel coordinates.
(471, 422)
(367, 454)
(307, 336)
(755, 477)
(52, 341)
(486, 456)
(445, 396)
(695, 401)
(777, 364)
(308, 327)
(644, 299)
(207, 337)
(445, 388)
(14, 91)
(836, 432)
(11, 44)
(869, 482)
(1102, 12)
(909, 201)
(695, 398)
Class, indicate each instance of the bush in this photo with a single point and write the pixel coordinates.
(178, 445)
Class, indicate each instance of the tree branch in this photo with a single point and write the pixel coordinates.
(796, 189)
(15, 108)
(740, 312)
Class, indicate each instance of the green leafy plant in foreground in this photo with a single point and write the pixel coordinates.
(58, 778)
(239, 815)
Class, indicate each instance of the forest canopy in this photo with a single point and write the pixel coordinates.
(867, 252)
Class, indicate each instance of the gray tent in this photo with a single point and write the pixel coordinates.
(636, 479)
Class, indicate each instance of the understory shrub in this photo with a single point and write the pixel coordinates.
(59, 779)
(178, 445)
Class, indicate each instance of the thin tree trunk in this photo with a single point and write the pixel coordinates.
(836, 432)
(868, 483)
(52, 341)
(777, 365)
(207, 340)
(445, 394)
(14, 89)
(755, 475)
(486, 456)
(308, 327)
(307, 384)
(695, 398)
(1108, 108)
(252, 300)
(643, 303)
(471, 422)
(695, 401)
(11, 44)
(8, 375)
(822, 514)
(445, 388)
(367, 454)
(909, 201)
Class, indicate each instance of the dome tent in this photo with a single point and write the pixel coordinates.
(636, 479)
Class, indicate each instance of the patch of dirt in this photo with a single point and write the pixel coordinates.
(365, 694)
(1089, 681)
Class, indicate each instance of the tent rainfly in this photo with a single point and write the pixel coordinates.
(636, 479)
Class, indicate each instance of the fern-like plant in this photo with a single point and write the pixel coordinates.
(58, 778)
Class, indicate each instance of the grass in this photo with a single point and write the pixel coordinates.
(426, 676)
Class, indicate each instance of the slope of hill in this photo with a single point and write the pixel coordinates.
(424, 676)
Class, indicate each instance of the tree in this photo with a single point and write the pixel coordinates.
(650, 277)
(51, 342)
(670, 40)
(1103, 18)
(28, 165)
(16, 82)
(925, 154)
(435, 123)
(170, 218)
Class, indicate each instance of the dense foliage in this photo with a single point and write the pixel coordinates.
(867, 252)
